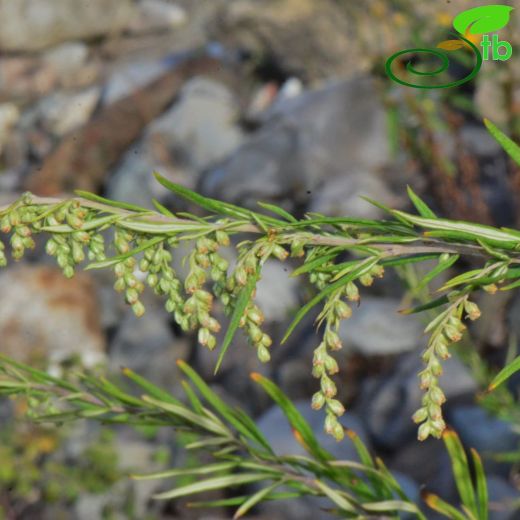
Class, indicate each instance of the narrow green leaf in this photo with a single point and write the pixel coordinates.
(426, 306)
(505, 374)
(179, 472)
(313, 264)
(340, 498)
(192, 396)
(236, 501)
(278, 211)
(211, 484)
(436, 271)
(364, 266)
(253, 500)
(492, 235)
(420, 205)
(481, 485)
(511, 148)
(439, 505)
(150, 388)
(213, 205)
(163, 210)
(240, 306)
(303, 431)
(188, 415)
(390, 506)
(238, 419)
(108, 202)
(109, 262)
(461, 471)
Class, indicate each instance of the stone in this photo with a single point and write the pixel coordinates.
(335, 132)
(280, 436)
(201, 126)
(44, 316)
(376, 328)
(147, 345)
(69, 60)
(502, 497)
(9, 115)
(486, 433)
(31, 25)
(63, 112)
(157, 15)
(276, 292)
(387, 402)
(198, 130)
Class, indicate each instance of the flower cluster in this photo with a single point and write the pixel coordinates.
(447, 329)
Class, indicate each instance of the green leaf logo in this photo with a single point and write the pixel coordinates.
(480, 20)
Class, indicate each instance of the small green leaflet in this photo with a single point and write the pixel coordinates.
(505, 374)
(511, 148)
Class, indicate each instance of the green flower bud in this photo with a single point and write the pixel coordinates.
(152, 280)
(318, 400)
(119, 285)
(144, 265)
(436, 395)
(203, 336)
(77, 253)
(342, 310)
(472, 310)
(222, 237)
(452, 333)
(279, 252)
(51, 247)
(335, 407)
(330, 423)
(68, 271)
(132, 296)
(263, 354)
(424, 431)
(338, 432)
(266, 340)
(441, 349)
(327, 386)
(331, 366)
(367, 280)
(255, 334)
(332, 340)
(420, 415)
(138, 309)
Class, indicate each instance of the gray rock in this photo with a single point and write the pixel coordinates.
(29, 25)
(278, 432)
(9, 115)
(147, 345)
(489, 435)
(67, 59)
(502, 497)
(44, 315)
(201, 127)
(376, 328)
(342, 196)
(276, 292)
(157, 15)
(198, 130)
(337, 131)
(388, 402)
(62, 112)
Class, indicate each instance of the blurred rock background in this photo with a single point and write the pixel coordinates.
(244, 100)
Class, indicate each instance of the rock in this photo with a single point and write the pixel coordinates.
(389, 401)
(156, 15)
(128, 78)
(291, 33)
(487, 434)
(63, 112)
(30, 25)
(428, 464)
(9, 115)
(335, 132)
(276, 292)
(277, 430)
(198, 130)
(502, 497)
(93, 149)
(280, 436)
(147, 345)
(45, 316)
(69, 61)
(375, 328)
(342, 196)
